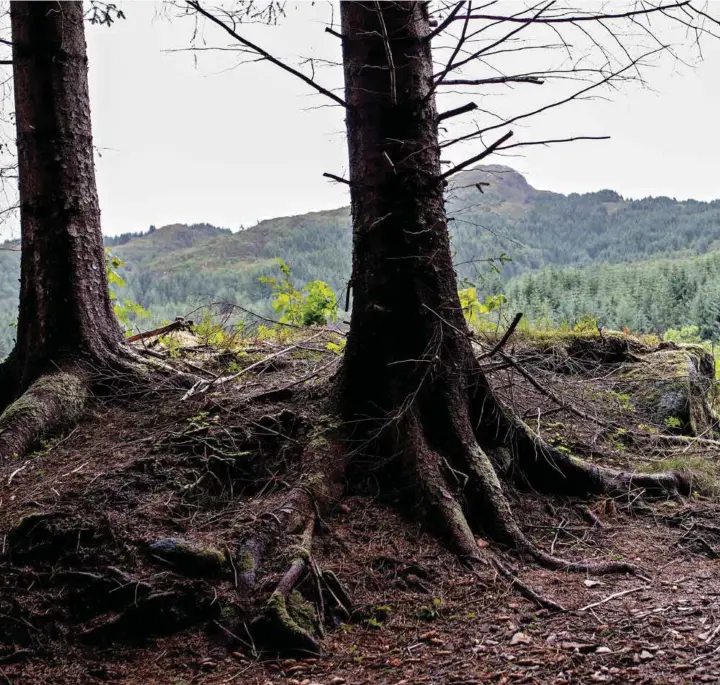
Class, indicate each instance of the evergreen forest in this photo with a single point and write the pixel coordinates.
(647, 265)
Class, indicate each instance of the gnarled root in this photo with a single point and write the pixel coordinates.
(485, 501)
(289, 623)
(551, 470)
(58, 398)
(55, 400)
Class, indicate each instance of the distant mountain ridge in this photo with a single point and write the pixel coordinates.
(493, 211)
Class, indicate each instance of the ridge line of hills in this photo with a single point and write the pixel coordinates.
(655, 260)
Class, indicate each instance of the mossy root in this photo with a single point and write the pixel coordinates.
(54, 400)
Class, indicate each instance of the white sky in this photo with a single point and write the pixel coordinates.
(186, 142)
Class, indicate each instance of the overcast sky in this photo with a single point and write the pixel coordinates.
(190, 137)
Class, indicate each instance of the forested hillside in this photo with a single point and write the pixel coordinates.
(177, 268)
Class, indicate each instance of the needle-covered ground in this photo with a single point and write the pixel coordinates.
(121, 557)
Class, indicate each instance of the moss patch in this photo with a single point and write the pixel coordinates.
(703, 473)
(189, 557)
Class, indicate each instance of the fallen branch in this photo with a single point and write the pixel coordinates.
(504, 339)
(525, 590)
(174, 326)
(614, 596)
(204, 386)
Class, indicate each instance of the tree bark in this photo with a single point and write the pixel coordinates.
(411, 389)
(403, 281)
(65, 310)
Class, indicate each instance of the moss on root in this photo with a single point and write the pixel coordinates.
(33, 404)
(288, 625)
(702, 472)
(245, 562)
(51, 402)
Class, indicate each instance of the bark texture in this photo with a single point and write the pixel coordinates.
(65, 308)
(403, 279)
(54, 400)
(411, 388)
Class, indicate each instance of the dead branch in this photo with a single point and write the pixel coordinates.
(504, 339)
(264, 53)
(457, 111)
(553, 141)
(574, 96)
(448, 20)
(497, 79)
(485, 153)
(614, 596)
(178, 324)
(574, 19)
(204, 386)
(333, 177)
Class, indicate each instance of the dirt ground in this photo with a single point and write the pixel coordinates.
(82, 600)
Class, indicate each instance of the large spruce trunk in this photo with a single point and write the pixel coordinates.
(66, 326)
(65, 308)
(403, 281)
(411, 389)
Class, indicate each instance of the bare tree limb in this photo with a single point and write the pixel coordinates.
(557, 103)
(552, 141)
(452, 67)
(333, 177)
(457, 111)
(448, 20)
(496, 79)
(594, 16)
(485, 153)
(264, 53)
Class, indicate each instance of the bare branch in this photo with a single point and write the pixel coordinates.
(263, 53)
(552, 141)
(497, 79)
(485, 153)
(557, 103)
(447, 22)
(333, 177)
(457, 111)
(582, 17)
(452, 67)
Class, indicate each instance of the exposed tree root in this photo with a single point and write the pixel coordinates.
(54, 400)
(288, 623)
(525, 590)
(485, 502)
(58, 398)
(551, 470)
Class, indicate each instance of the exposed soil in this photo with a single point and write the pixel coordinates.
(85, 599)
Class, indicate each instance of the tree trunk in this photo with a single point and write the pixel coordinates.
(403, 281)
(411, 388)
(65, 309)
(66, 325)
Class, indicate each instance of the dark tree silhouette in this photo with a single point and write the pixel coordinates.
(66, 324)
(411, 384)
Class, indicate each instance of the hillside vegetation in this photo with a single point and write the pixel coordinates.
(650, 269)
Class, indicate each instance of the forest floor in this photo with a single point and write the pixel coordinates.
(84, 600)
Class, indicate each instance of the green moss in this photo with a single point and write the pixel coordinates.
(209, 556)
(245, 562)
(33, 407)
(296, 615)
(705, 473)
